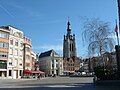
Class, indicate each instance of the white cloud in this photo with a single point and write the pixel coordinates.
(49, 47)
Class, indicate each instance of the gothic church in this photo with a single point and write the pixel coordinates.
(71, 62)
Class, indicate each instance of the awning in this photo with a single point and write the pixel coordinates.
(41, 72)
(26, 72)
(32, 71)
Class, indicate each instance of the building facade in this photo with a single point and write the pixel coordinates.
(35, 62)
(4, 49)
(71, 62)
(15, 59)
(16, 53)
(27, 57)
(51, 63)
(108, 60)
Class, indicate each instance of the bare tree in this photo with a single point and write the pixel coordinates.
(98, 36)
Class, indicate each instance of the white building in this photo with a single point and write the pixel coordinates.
(27, 59)
(15, 58)
(34, 59)
(51, 63)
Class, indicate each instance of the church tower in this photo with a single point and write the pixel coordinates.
(69, 44)
(71, 62)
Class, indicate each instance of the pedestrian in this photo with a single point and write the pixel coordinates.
(38, 77)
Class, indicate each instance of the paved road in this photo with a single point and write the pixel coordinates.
(44, 81)
(59, 83)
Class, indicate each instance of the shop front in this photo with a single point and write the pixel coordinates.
(3, 68)
(32, 74)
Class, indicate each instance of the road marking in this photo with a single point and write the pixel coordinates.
(68, 85)
(51, 86)
(17, 86)
(61, 86)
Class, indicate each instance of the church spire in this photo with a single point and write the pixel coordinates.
(68, 27)
(69, 44)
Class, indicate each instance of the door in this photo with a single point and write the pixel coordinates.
(14, 74)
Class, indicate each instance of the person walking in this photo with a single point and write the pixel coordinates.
(38, 77)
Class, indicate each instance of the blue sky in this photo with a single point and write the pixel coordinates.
(45, 21)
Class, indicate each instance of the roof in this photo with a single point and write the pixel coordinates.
(47, 53)
(5, 28)
(44, 54)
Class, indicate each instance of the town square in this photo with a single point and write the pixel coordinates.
(59, 44)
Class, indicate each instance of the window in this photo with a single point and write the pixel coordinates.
(10, 72)
(11, 51)
(16, 52)
(72, 47)
(52, 72)
(27, 57)
(20, 62)
(21, 44)
(10, 62)
(52, 63)
(11, 42)
(57, 66)
(3, 45)
(3, 55)
(20, 72)
(15, 62)
(0, 74)
(27, 64)
(27, 49)
(3, 64)
(16, 43)
(56, 60)
(4, 34)
(21, 53)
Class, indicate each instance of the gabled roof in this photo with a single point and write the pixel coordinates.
(47, 53)
(44, 54)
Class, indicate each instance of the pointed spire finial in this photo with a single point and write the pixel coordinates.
(68, 23)
(68, 27)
